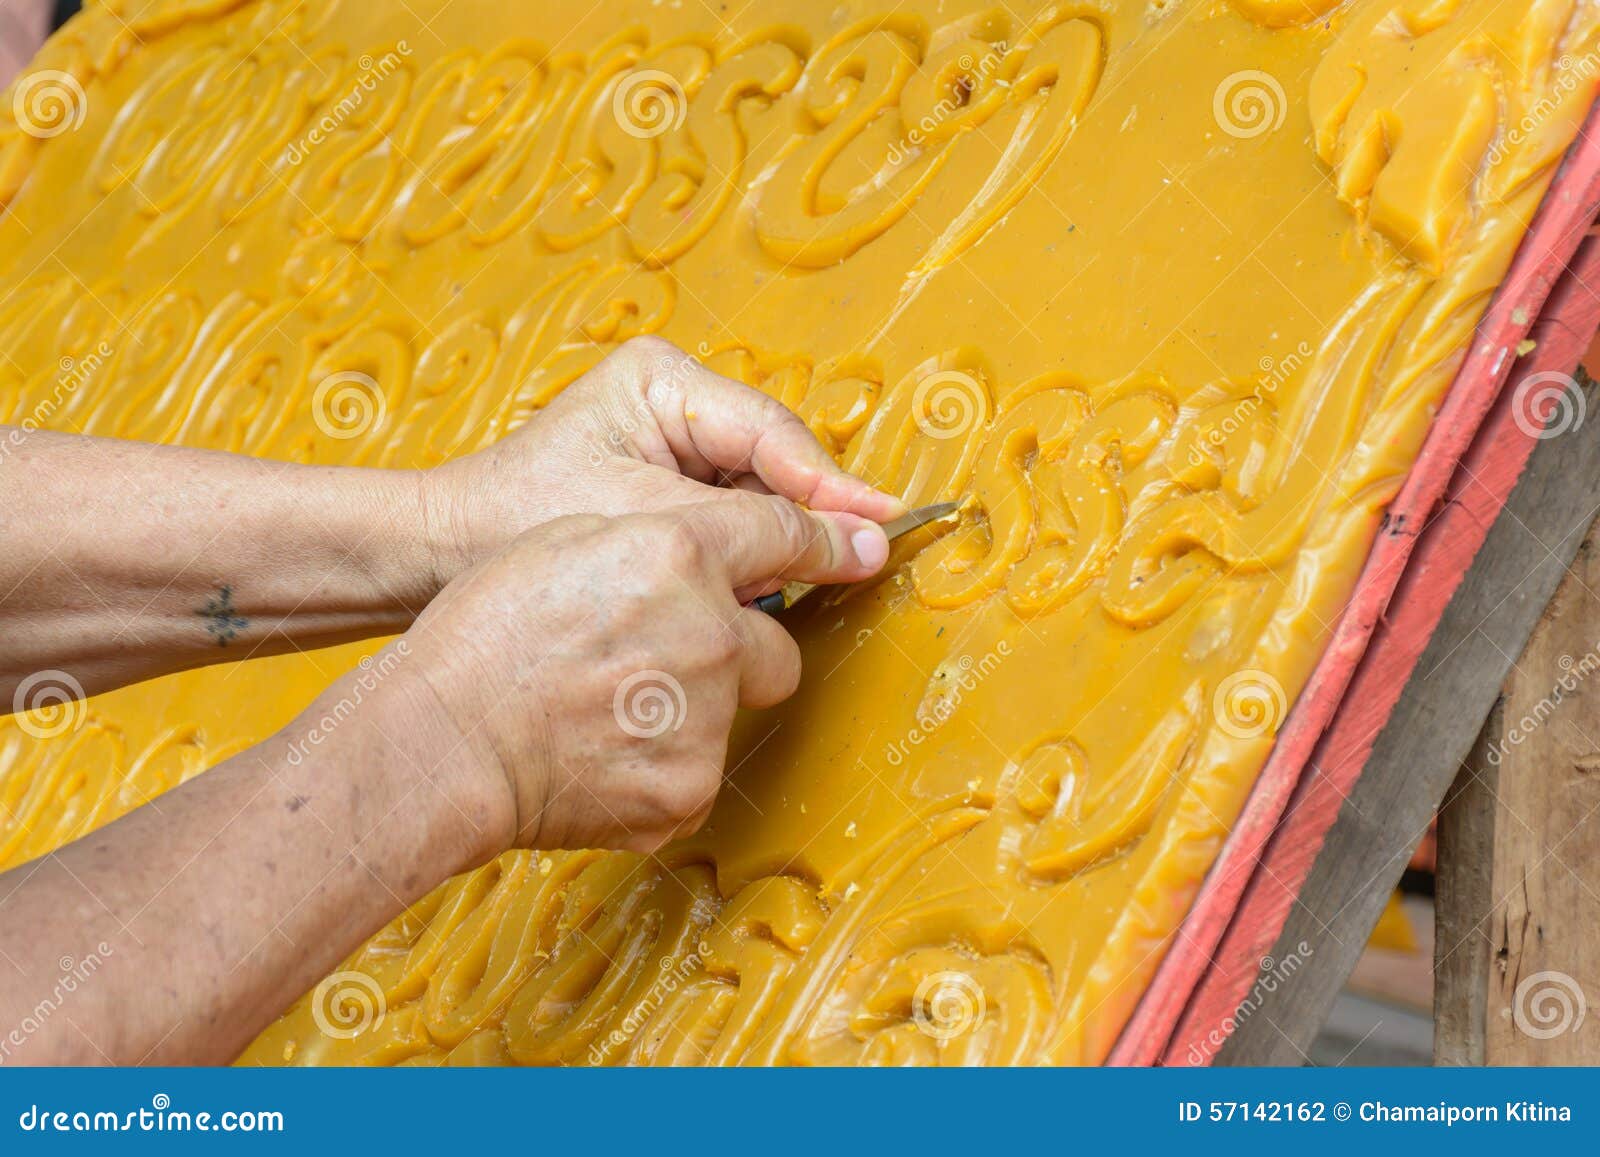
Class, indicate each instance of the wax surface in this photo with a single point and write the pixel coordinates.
(1167, 292)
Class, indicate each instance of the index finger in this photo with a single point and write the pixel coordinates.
(710, 420)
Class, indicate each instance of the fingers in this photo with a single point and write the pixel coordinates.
(711, 421)
(751, 483)
(769, 668)
(756, 539)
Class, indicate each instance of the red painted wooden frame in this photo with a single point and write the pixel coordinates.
(1471, 459)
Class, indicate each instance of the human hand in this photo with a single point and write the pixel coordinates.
(647, 429)
(588, 674)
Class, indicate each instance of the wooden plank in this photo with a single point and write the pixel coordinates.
(1524, 920)
(1438, 715)
(1463, 952)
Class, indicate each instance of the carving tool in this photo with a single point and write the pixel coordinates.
(941, 515)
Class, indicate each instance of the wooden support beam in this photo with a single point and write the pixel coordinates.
(1517, 953)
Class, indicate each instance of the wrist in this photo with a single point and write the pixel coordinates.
(460, 517)
(473, 507)
(403, 744)
(418, 546)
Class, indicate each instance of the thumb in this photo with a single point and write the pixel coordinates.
(760, 539)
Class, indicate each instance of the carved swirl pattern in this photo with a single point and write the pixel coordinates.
(471, 226)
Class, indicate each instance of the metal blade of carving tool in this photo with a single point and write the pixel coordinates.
(937, 514)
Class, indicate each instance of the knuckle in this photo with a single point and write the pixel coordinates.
(722, 645)
(684, 543)
(646, 355)
(645, 345)
(685, 794)
(798, 527)
(774, 413)
(693, 824)
(643, 843)
(583, 525)
(618, 669)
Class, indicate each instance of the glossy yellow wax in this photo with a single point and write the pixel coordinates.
(1169, 292)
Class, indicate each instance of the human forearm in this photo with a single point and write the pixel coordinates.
(220, 903)
(126, 560)
(206, 916)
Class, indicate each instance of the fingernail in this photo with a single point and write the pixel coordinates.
(871, 546)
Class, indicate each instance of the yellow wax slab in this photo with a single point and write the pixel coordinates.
(1168, 293)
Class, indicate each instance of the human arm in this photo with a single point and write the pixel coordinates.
(494, 723)
(124, 560)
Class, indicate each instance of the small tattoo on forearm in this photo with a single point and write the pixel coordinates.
(223, 622)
